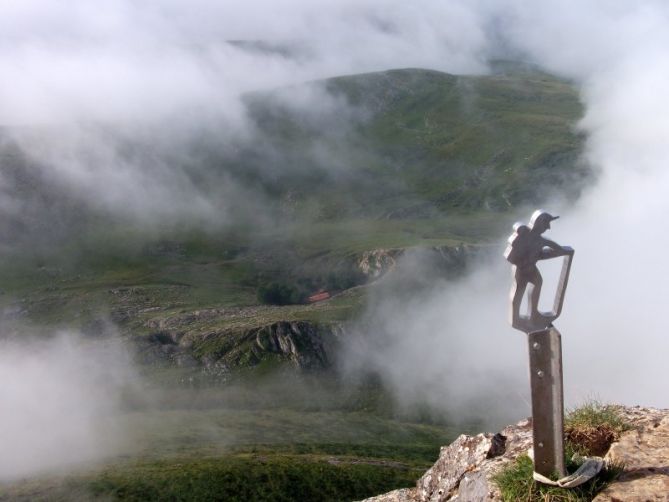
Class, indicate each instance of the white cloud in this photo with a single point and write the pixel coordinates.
(127, 64)
(59, 403)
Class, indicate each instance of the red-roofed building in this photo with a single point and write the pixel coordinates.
(319, 297)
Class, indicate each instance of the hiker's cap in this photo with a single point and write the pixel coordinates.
(539, 214)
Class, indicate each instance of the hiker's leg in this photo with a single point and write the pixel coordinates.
(535, 292)
(517, 291)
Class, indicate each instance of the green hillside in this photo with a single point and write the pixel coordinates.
(378, 162)
(407, 157)
(427, 143)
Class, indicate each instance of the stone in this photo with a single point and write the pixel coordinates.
(644, 452)
(460, 457)
(465, 468)
(373, 264)
(401, 495)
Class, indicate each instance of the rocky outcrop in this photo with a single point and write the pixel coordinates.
(375, 263)
(465, 468)
(306, 345)
(190, 340)
(443, 479)
(401, 495)
(644, 451)
(449, 260)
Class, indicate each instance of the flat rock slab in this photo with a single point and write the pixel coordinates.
(645, 455)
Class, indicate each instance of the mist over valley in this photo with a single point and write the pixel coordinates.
(232, 251)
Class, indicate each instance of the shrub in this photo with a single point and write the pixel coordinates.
(279, 294)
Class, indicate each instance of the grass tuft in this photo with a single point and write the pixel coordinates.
(589, 430)
(516, 484)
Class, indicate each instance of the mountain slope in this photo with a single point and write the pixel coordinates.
(335, 168)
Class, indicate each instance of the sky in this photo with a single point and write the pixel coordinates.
(77, 79)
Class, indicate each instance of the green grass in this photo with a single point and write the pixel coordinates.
(202, 275)
(466, 141)
(258, 439)
(241, 478)
(516, 483)
(595, 414)
(352, 237)
(179, 432)
(589, 429)
(202, 453)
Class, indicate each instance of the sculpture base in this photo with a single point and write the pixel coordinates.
(537, 322)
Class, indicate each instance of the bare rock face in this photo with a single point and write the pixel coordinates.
(302, 342)
(377, 262)
(462, 456)
(644, 452)
(449, 260)
(197, 339)
(465, 468)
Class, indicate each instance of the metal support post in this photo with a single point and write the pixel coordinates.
(545, 348)
(526, 247)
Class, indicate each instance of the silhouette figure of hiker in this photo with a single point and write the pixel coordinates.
(526, 247)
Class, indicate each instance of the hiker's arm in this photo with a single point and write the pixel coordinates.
(553, 250)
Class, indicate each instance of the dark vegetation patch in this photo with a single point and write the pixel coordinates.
(276, 293)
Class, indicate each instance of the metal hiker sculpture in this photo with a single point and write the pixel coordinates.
(526, 247)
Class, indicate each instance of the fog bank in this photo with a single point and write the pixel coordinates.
(60, 401)
(132, 66)
(453, 340)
